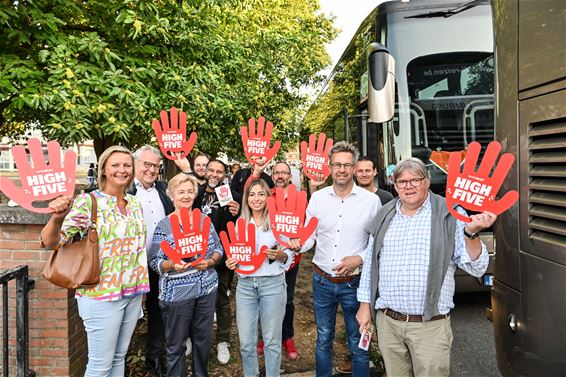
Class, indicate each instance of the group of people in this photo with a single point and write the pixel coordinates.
(387, 262)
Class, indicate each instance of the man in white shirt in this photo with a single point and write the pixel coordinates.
(155, 205)
(344, 211)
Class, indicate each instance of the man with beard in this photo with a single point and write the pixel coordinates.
(200, 162)
(242, 176)
(156, 205)
(208, 203)
(365, 176)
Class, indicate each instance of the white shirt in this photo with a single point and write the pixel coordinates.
(266, 238)
(341, 230)
(152, 208)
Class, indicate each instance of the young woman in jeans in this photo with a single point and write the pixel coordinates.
(111, 309)
(262, 294)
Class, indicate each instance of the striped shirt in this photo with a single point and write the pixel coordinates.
(187, 285)
(404, 261)
(121, 245)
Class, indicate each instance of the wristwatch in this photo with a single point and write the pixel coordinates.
(472, 235)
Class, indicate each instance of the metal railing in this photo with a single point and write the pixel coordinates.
(23, 285)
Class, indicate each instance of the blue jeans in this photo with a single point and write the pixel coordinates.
(109, 327)
(262, 298)
(327, 296)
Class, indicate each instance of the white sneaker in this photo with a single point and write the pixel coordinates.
(189, 347)
(223, 353)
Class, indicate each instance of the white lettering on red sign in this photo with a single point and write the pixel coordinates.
(190, 245)
(49, 183)
(470, 191)
(241, 253)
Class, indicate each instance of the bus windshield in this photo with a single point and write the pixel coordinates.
(450, 105)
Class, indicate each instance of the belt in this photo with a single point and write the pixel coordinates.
(410, 318)
(334, 279)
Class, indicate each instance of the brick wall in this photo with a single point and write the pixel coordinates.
(57, 338)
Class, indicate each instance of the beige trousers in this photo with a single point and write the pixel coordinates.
(420, 349)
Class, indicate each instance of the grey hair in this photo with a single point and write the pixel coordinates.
(413, 164)
(148, 148)
(343, 146)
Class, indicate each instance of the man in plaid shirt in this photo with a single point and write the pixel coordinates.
(407, 284)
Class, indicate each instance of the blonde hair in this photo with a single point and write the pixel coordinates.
(104, 158)
(179, 179)
(247, 213)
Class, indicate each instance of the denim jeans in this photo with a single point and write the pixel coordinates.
(260, 298)
(109, 327)
(327, 296)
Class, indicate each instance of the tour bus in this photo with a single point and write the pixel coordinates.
(529, 293)
(443, 83)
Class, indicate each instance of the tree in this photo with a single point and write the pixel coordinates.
(102, 69)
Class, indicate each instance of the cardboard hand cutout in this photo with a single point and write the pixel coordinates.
(191, 241)
(257, 142)
(315, 157)
(241, 246)
(41, 180)
(287, 215)
(172, 135)
(476, 190)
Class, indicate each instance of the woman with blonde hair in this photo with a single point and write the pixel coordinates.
(111, 309)
(261, 295)
(187, 295)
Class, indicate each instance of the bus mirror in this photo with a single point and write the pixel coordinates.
(381, 84)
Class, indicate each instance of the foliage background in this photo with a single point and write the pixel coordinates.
(103, 69)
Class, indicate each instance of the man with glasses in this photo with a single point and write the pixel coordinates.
(344, 211)
(156, 205)
(407, 284)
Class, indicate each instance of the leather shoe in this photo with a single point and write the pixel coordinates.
(156, 367)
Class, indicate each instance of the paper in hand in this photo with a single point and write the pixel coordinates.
(224, 195)
(365, 339)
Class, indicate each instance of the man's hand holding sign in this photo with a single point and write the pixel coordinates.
(240, 248)
(172, 135)
(42, 180)
(315, 157)
(191, 240)
(287, 216)
(476, 190)
(257, 141)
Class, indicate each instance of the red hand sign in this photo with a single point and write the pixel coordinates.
(476, 190)
(256, 143)
(46, 180)
(172, 136)
(287, 215)
(242, 247)
(315, 157)
(191, 241)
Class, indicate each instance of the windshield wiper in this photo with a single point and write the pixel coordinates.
(450, 12)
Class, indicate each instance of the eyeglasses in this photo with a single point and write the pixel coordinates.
(415, 182)
(149, 165)
(338, 166)
(281, 173)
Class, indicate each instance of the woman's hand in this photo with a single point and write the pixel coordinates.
(170, 266)
(276, 254)
(205, 264)
(231, 263)
(294, 244)
(60, 206)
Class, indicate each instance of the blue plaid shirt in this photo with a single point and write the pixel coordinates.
(404, 260)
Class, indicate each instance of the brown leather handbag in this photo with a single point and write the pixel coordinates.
(77, 264)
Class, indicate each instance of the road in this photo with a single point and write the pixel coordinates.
(473, 348)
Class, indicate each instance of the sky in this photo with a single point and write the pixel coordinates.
(349, 14)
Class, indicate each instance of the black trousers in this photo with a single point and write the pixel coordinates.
(155, 335)
(223, 311)
(192, 317)
(291, 279)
